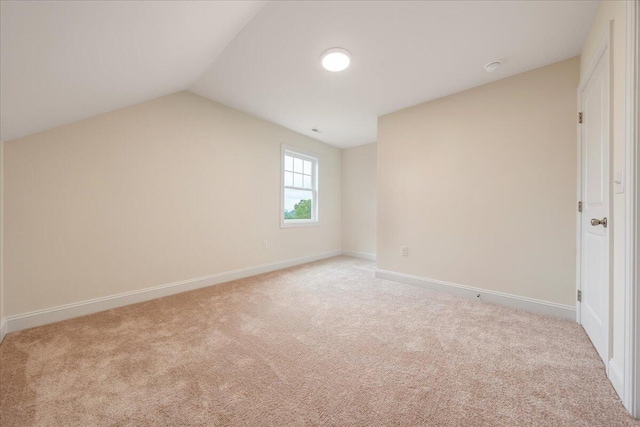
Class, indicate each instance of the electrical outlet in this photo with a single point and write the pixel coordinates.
(265, 244)
(404, 250)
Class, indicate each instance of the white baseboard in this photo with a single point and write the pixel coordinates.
(500, 298)
(363, 255)
(616, 377)
(3, 329)
(68, 311)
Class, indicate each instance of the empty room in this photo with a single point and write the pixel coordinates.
(319, 213)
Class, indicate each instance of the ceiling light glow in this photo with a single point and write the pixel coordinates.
(335, 59)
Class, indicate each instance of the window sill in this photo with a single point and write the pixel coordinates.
(299, 224)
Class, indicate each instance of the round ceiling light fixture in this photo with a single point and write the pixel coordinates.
(492, 66)
(335, 59)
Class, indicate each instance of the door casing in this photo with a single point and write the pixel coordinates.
(631, 392)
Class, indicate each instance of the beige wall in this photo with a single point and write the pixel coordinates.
(481, 186)
(359, 199)
(172, 189)
(614, 12)
(2, 311)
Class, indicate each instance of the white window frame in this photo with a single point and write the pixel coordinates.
(315, 161)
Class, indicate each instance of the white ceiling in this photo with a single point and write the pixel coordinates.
(66, 61)
(403, 53)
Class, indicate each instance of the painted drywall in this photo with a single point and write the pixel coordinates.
(481, 186)
(614, 12)
(2, 313)
(359, 200)
(173, 189)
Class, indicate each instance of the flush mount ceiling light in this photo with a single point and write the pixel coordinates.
(492, 66)
(335, 59)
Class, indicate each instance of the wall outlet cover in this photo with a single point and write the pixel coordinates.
(618, 182)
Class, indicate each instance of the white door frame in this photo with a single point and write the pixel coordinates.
(631, 393)
(603, 52)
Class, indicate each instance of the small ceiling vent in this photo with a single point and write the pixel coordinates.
(492, 66)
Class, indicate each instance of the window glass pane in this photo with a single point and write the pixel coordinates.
(288, 179)
(307, 167)
(307, 181)
(297, 180)
(297, 165)
(297, 204)
(288, 163)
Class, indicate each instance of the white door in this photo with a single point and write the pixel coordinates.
(595, 221)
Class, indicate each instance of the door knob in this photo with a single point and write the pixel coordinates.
(602, 222)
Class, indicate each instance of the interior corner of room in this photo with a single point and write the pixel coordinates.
(515, 186)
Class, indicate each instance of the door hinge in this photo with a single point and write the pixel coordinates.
(580, 117)
(579, 295)
(580, 206)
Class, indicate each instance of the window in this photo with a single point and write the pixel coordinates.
(299, 189)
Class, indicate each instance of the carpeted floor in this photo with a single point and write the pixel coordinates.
(320, 344)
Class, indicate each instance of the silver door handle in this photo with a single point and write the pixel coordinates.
(602, 222)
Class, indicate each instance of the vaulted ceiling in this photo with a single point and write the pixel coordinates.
(65, 61)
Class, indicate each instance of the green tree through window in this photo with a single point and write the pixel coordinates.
(301, 210)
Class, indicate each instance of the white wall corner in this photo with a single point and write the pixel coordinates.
(514, 301)
(83, 308)
(363, 255)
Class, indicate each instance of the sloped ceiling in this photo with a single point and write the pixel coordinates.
(66, 61)
(403, 53)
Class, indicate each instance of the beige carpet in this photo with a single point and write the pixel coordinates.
(321, 344)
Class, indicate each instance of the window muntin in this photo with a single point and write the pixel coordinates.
(299, 195)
